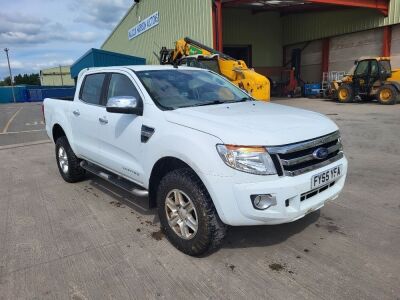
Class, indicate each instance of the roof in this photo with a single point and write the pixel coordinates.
(102, 58)
(138, 68)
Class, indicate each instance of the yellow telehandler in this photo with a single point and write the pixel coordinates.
(369, 78)
(194, 54)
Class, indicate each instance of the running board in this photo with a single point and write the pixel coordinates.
(116, 180)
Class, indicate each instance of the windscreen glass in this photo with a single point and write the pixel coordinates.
(172, 89)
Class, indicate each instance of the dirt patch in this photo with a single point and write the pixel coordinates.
(232, 267)
(276, 267)
(117, 204)
(157, 235)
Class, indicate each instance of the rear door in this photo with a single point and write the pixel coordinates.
(86, 126)
(121, 137)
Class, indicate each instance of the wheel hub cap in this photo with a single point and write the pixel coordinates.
(63, 160)
(181, 214)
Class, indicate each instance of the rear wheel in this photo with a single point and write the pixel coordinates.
(67, 162)
(387, 95)
(345, 93)
(187, 214)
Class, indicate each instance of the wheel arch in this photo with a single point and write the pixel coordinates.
(163, 166)
(395, 84)
(57, 132)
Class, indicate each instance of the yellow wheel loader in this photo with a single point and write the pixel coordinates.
(370, 77)
(194, 54)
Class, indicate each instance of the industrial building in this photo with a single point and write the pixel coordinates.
(321, 35)
(57, 76)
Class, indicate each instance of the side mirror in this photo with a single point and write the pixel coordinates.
(125, 105)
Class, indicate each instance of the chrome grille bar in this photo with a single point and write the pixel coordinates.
(303, 145)
(295, 159)
(308, 157)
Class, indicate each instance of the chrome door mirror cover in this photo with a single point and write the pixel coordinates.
(125, 105)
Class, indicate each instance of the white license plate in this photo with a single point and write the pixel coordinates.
(326, 176)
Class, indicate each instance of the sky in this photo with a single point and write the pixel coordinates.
(47, 33)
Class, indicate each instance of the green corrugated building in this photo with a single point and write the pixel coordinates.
(330, 33)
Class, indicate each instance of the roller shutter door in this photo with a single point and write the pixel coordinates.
(345, 49)
(395, 50)
(311, 58)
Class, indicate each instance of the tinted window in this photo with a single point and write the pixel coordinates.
(121, 85)
(91, 90)
(362, 68)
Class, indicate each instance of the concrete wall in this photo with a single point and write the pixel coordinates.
(52, 76)
(263, 31)
(345, 49)
(395, 49)
(178, 19)
(311, 58)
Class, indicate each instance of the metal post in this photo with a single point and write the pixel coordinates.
(62, 81)
(11, 78)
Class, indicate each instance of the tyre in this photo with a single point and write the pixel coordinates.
(387, 95)
(187, 214)
(345, 93)
(67, 162)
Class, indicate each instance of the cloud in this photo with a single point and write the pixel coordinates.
(24, 29)
(100, 13)
(21, 67)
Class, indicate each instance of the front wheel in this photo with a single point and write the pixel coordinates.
(187, 214)
(387, 95)
(345, 93)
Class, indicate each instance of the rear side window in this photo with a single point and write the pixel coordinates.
(121, 85)
(92, 87)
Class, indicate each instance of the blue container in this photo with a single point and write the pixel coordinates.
(102, 58)
(6, 95)
(60, 93)
(312, 89)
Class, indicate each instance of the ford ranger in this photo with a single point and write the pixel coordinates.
(201, 149)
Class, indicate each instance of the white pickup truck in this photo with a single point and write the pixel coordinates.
(202, 151)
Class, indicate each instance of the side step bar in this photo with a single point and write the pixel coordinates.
(116, 180)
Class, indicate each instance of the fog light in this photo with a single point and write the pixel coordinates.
(262, 202)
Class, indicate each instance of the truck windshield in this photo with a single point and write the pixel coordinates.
(172, 89)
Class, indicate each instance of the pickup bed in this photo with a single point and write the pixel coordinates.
(201, 149)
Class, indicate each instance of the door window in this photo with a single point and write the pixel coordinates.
(362, 68)
(374, 68)
(121, 85)
(92, 87)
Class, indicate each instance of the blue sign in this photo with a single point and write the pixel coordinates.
(144, 25)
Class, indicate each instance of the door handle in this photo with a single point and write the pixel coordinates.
(103, 120)
(76, 113)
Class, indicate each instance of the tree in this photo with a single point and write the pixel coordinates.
(29, 79)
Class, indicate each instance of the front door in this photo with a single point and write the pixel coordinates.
(121, 142)
(366, 73)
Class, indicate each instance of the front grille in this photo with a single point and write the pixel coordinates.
(298, 158)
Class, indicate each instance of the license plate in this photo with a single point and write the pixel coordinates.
(326, 176)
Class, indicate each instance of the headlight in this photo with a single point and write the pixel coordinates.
(255, 160)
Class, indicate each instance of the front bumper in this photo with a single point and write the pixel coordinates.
(234, 205)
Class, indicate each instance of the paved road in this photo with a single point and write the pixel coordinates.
(21, 123)
(86, 241)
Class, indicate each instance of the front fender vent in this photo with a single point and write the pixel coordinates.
(146, 133)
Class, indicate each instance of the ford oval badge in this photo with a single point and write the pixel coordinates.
(320, 153)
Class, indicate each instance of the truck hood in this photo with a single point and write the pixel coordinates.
(254, 122)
